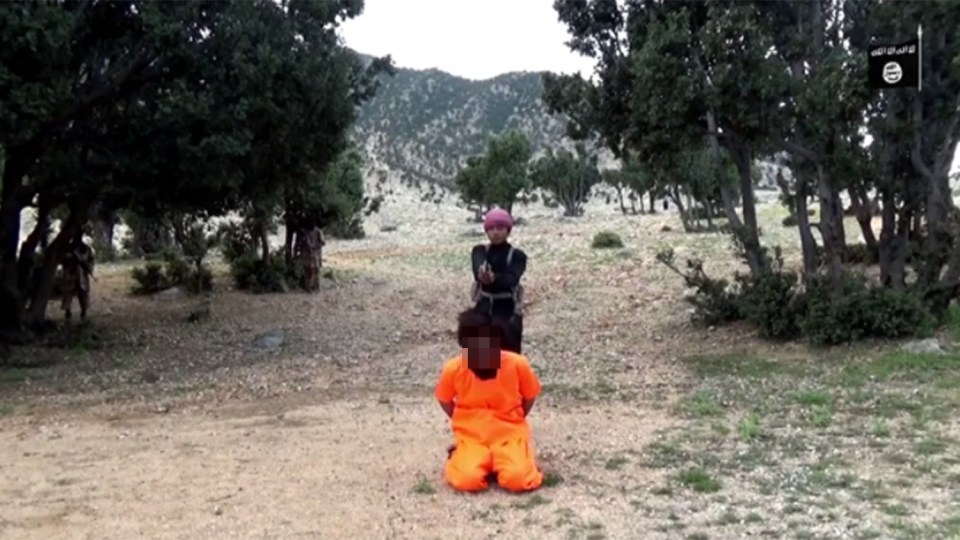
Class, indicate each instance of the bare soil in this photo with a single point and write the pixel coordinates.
(147, 425)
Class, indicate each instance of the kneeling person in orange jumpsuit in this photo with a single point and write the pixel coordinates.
(487, 393)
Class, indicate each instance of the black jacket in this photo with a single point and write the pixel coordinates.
(506, 277)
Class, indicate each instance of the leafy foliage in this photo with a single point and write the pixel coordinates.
(498, 176)
(168, 109)
(567, 177)
(695, 91)
(606, 240)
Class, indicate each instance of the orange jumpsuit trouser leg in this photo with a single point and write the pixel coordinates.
(468, 466)
(514, 464)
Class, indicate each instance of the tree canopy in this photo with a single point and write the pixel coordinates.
(188, 108)
(745, 80)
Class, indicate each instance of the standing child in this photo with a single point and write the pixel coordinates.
(487, 393)
(497, 270)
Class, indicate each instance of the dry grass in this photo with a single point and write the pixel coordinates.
(153, 426)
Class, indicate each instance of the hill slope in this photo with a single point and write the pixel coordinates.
(423, 124)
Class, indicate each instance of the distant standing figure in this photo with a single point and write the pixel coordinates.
(497, 270)
(311, 253)
(77, 270)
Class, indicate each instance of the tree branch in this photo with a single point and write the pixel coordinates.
(915, 156)
(945, 152)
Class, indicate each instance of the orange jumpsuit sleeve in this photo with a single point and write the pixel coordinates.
(529, 383)
(446, 390)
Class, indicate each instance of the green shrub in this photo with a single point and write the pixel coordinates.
(174, 271)
(606, 240)
(863, 311)
(714, 301)
(149, 279)
(253, 274)
(348, 228)
(773, 301)
(861, 254)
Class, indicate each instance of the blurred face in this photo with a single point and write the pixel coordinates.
(498, 235)
(483, 353)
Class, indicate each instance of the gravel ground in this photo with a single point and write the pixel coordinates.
(297, 415)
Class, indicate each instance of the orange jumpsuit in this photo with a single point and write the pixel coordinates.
(489, 428)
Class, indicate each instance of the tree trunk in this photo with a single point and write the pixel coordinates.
(748, 232)
(623, 207)
(892, 270)
(684, 214)
(37, 312)
(11, 205)
(808, 244)
(864, 214)
(28, 250)
(831, 228)
(264, 242)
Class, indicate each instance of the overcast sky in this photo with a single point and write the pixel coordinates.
(476, 39)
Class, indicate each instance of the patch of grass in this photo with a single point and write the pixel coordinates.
(16, 375)
(813, 398)
(906, 366)
(616, 463)
(699, 480)
(5, 410)
(730, 517)
(663, 491)
(424, 487)
(742, 366)
(951, 526)
(880, 428)
(606, 240)
(953, 322)
(930, 446)
(821, 416)
(897, 509)
(750, 427)
(552, 479)
(701, 404)
(663, 454)
(532, 501)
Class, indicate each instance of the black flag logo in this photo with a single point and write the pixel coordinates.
(895, 66)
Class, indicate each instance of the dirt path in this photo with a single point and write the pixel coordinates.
(155, 427)
(173, 430)
(346, 468)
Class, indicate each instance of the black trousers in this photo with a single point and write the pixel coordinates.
(514, 337)
(512, 323)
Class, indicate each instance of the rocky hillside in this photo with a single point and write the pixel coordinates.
(423, 124)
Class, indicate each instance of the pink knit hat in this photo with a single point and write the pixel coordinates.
(497, 217)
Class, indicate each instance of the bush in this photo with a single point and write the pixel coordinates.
(606, 240)
(347, 229)
(861, 254)
(773, 301)
(777, 303)
(174, 271)
(862, 311)
(714, 301)
(149, 279)
(253, 274)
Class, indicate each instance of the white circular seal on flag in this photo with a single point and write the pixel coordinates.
(892, 73)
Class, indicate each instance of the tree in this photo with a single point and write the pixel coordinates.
(164, 109)
(765, 77)
(497, 176)
(567, 177)
(668, 75)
